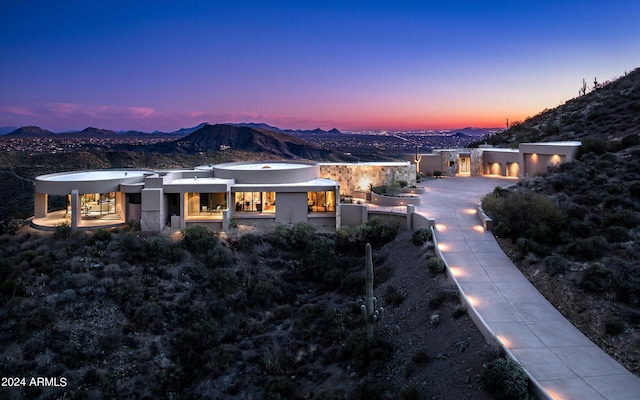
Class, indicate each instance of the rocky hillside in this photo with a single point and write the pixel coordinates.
(574, 230)
(222, 137)
(609, 112)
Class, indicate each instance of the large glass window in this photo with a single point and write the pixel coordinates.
(206, 203)
(321, 201)
(264, 202)
(98, 204)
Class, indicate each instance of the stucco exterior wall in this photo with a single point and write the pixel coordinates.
(501, 162)
(267, 172)
(536, 157)
(353, 214)
(291, 208)
(152, 211)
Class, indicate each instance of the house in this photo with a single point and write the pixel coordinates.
(528, 160)
(249, 193)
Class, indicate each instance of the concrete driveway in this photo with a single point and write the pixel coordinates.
(561, 361)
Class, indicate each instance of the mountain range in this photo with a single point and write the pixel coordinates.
(34, 131)
(222, 137)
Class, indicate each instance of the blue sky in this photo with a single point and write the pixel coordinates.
(302, 64)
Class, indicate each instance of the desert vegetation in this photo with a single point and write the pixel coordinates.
(197, 314)
(574, 231)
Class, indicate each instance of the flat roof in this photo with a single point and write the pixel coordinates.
(370, 163)
(198, 181)
(314, 182)
(500, 150)
(566, 143)
(260, 166)
(93, 175)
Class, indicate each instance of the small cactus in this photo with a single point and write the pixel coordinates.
(370, 312)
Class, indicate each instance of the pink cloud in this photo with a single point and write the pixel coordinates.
(101, 112)
(21, 111)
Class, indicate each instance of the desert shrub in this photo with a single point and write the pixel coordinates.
(459, 311)
(421, 235)
(524, 214)
(591, 248)
(363, 352)
(555, 264)
(159, 248)
(219, 256)
(437, 300)
(375, 231)
(614, 326)
(435, 265)
(10, 288)
(378, 232)
(505, 380)
(224, 281)
(615, 234)
(581, 229)
(133, 225)
(591, 144)
(626, 218)
(279, 388)
(295, 237)
(332, 278)
(12, 226)
(148, 317)
(603, 281)
(193, 343)
(199, 239)
(393, 296)
(62, 231)
(630, 140)
(101, 235)
(527, 246)
(353, 283)
(248, 242)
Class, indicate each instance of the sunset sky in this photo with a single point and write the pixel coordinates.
(165, 65)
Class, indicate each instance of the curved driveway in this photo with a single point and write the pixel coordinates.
(562, 362)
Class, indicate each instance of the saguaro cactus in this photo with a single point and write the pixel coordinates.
(417, 159)
(370, 312)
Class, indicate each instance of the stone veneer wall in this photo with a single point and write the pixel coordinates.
(476, 162)
(353, 177)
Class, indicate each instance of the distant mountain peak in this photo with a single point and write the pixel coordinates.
(31, 131)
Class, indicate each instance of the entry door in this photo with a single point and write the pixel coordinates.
(464, 165)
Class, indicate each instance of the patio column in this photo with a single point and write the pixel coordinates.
(76, 211)
(40, 205)
(411, 209)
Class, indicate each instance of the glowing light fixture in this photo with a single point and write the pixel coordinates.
(472, 300)
(443, 247)
(441, 227)
(470, 211)
(456, 271)
(506, 342)
(478, 228)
